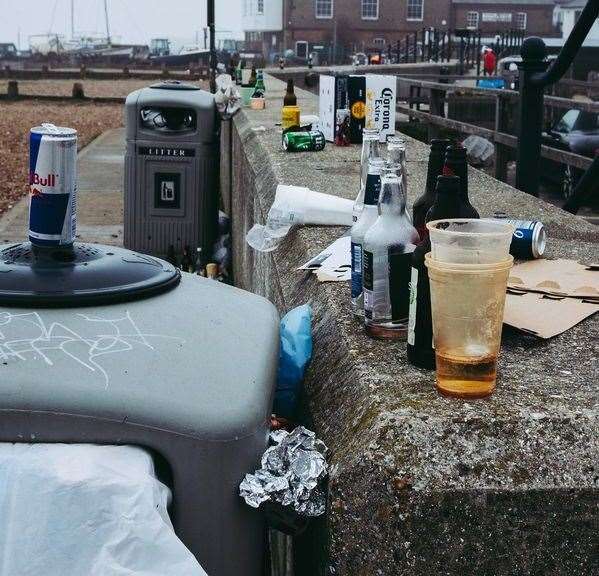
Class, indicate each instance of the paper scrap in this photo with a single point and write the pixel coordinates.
(333, 264)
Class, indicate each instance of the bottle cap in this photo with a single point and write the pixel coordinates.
(456, 153)
(440, 145)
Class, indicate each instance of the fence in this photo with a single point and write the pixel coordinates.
(506, 103)
(434, 45)
(125, 73)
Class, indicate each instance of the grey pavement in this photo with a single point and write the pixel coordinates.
(99, 197)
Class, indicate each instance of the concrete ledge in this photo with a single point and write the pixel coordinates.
(421, 484)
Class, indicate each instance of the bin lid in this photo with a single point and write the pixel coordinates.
(81, 275)
(174, 85)
(197, 361)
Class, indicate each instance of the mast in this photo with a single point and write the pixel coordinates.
(107, 23)
(72, 19)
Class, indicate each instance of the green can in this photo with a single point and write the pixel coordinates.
(312, 141)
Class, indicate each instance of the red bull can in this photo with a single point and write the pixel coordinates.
(52, 185)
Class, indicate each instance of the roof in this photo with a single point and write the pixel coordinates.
(519, 3)
(574, 4)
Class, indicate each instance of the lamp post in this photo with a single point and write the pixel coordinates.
(213, 61)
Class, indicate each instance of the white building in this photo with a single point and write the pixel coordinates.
(569, 14)
(262, 22)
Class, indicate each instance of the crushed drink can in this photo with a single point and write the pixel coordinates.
(529, 239)
(312, 141)
(52, 185)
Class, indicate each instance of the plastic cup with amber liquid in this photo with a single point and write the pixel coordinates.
(468, 289)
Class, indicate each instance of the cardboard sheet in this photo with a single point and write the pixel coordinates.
(543, 315)
(557, 277)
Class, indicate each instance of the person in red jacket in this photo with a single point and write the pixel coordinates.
(490, 61)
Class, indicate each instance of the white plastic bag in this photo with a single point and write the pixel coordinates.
(85, 510)
(297, 206)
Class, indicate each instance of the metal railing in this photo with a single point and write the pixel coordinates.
(534, 78)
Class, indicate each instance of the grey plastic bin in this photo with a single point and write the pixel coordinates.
(171, 168)
(189, 374)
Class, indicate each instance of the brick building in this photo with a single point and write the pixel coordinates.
(358, 24)
(535, 17)
(361, 25)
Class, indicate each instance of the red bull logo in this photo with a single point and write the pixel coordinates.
(36, 180)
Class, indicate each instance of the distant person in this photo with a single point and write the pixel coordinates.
(490, 62)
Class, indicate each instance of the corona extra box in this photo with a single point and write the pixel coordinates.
(369, 101)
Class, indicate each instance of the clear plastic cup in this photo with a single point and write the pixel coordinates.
(467, 303)
(468, 241)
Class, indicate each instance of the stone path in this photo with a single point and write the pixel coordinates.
(100, 195)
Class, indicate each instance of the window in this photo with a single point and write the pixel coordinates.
(415, 9)
(472, 20)
(370, 9)
(260, 7)
(379, 41)
(324, 8)
(521, 20)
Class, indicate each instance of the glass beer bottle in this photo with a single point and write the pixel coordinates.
(436, 160)
(387, 261)
(420, 329)
(370, 150)
(366, 219)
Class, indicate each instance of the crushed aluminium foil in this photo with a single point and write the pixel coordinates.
(292, 468)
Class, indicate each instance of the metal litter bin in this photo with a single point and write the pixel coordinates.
(171, 169)
(106, 346)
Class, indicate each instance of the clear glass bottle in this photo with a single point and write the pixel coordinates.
(366, 219)
(387, 262)
(396, 154)
(370, 149)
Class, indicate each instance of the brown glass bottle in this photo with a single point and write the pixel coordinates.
(456, 164)
(420, 326)
(253, 77)
(436, 161)
(290, 98)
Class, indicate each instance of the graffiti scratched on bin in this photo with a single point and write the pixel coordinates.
(87, 340)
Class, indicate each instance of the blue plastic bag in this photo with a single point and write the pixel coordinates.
(295, 354)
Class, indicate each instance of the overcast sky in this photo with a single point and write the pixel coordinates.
(135, 21)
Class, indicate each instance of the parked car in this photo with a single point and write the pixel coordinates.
(577, 131)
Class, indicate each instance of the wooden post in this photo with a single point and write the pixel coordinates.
(77, 92)
(12, 90)
(437, 107)
(502, 152)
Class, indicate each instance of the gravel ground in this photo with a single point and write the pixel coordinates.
(17, 118)
(91, 88)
